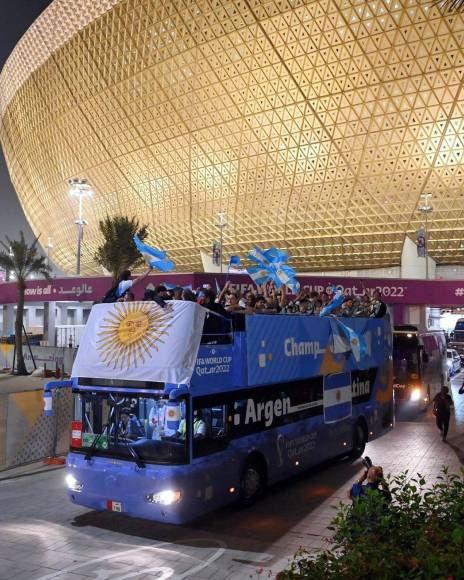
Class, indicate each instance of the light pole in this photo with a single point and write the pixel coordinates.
(80, 188)
(221, 225)
(426, 208)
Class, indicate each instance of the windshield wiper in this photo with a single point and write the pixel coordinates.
(138, 460)
(91, 449)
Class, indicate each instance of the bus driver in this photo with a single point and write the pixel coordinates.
(199, 427)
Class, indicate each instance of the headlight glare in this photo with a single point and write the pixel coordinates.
(73, 483)
(416, 394)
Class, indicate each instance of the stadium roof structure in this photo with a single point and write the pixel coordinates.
(314, 126)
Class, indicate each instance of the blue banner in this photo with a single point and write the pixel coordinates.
(290, 347)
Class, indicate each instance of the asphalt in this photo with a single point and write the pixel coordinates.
(44, 536)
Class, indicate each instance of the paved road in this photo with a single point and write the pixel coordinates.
(43, 536)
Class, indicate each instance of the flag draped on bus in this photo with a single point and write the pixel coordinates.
(141, 341)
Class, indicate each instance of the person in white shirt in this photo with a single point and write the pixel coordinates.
(125, 283)
(157, 420)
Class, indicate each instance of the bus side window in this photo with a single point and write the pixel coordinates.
(215, 439)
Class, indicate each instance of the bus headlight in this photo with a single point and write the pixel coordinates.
(416, 395)
(73, 483)
(165, 497)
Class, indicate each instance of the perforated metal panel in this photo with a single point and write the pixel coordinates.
(315, 125)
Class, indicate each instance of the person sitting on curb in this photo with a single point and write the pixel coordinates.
(375, 482)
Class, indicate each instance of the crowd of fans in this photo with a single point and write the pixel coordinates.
(266, 300)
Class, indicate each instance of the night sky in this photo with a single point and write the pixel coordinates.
(16, 17)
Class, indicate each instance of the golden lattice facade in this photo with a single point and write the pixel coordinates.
(314, 125)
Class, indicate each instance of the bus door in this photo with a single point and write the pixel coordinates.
(211, 454)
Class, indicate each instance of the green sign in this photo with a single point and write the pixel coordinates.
(88, 439)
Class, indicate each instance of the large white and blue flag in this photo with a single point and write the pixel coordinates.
(337, 397)
(258, 256)
(345, 339)
(339, 341)
(141, 341)
(259, 274)
(357, 342)
(273, 261)
(276, 256)
(153, 257)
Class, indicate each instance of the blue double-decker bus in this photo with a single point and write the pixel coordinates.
(274, 396)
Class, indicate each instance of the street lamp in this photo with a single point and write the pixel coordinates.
(426, 208)
(80, 188)
(221, 224)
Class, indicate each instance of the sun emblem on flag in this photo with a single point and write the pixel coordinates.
(171, 414)
(354, 341)
(130, 333)
(338, 395)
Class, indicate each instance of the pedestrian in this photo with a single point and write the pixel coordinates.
(442, 410)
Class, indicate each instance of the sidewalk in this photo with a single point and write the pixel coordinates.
(26, 470)
(17, 383)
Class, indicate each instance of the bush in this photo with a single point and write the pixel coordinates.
(419, 536)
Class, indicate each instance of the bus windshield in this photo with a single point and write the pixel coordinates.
(405, 359)
(129, 426)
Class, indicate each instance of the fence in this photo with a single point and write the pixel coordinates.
(26, 434)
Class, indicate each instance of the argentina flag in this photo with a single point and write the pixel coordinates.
(153, 257)
(337, 397)
(172, 416)
(259, 274)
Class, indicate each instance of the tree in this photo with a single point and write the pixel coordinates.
(118, 252)
(23, 260)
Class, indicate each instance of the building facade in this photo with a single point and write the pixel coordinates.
(312, 125)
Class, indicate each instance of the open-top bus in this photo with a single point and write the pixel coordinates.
(280, 395)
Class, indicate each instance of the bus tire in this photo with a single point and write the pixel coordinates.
(252, 481)
(359, 440)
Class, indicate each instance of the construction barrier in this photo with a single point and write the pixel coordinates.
(26, 433)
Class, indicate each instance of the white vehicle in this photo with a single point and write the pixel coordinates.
(453, 361)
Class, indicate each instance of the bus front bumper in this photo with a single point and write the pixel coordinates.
(157, 492)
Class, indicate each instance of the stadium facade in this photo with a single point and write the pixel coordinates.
(314, 125)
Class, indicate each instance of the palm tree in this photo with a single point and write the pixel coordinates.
(118, 252)
(23, 260)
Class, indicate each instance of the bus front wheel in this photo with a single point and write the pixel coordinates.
(252, 482)
(359, 441)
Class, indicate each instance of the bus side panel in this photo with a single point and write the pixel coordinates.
(378, 410)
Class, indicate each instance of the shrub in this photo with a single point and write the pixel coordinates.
(419, 536)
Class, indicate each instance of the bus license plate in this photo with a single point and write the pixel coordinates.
(114, 506)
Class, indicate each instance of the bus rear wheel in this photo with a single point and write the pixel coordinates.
(252, 483)
(359, 441)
